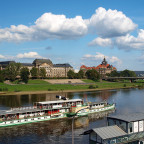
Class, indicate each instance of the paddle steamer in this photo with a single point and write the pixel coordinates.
(48, 110)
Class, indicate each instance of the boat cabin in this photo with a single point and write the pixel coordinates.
(97, 105)
(59, 104)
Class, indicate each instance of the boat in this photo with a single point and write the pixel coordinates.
(49, 110)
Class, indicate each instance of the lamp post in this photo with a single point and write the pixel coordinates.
(73, 116)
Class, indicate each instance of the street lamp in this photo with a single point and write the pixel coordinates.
(73, 116)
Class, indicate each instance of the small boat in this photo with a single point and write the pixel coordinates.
(49, 110)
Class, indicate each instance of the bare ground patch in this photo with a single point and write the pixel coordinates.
(65, 81)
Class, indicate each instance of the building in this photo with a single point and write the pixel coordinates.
(52, 70)
(121, 129)
(4, 64)
(104, 68)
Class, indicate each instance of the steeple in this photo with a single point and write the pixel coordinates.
(104, 62)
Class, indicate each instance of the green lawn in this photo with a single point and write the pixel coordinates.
(33, 86)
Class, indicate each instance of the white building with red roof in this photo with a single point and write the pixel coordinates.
(104, 68)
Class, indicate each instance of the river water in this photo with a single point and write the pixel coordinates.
(59, 131)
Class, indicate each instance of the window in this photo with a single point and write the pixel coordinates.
(93, 136)
(111, 122)
(123, 125)
(130, 128)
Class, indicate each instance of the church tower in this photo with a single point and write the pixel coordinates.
(104, 62)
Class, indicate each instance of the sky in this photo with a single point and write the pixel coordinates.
(78, 32)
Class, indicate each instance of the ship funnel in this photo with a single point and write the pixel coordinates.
(61, 97)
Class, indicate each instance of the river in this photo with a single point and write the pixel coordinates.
(59, 131)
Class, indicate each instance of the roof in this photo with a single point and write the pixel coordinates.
(109, 132)
(6, 62)
(107, 66)
(4, 112)
(129, 117)
(59, 101)
(62, 65)
(27, 64)
(40, 61)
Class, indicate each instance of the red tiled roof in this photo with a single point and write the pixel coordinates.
(98, 67)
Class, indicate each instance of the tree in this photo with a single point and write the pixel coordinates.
(114, 74)
(81, 74)
(12, 71)
(34, 72)
(42, 72)
(93, 75)
(24, 74)
(127, 73)
(71, 74)
(1, 76)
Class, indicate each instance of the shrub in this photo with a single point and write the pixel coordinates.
(16, 90)
(91, 86)
(96, 86)
(124, 85)
(49, 89)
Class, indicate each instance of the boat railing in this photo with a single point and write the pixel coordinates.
(12, 118)
(24, 108)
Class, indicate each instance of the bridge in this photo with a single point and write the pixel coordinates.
(121, 78)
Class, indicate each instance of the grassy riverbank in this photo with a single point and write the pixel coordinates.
(42, 86)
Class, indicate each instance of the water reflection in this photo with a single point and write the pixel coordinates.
(59, 131)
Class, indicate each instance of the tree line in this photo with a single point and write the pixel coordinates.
(124, 73)
(94, 75)
(16, 70)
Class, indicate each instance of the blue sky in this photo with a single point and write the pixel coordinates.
(76, 32)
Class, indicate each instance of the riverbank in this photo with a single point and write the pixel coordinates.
(42, 87)
(59, 92)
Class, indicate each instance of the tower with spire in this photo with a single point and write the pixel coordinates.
(104, 62)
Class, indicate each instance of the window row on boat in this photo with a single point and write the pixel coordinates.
(97, 105)
(57, 104)
(13, 115)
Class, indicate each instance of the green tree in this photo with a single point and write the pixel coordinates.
(42, 72)
(127, 73)
(1, 76)
(34, 72)
(12, 71)
(24, 74)
(81, 74)
(114, 74)
(92, 74)
(71, 74)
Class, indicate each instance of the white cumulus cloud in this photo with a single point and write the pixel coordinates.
(130, 42)
(105, 23)
(101, 42)
(47, 26)
(2, 57)
(110, 23)
(100, 56)
(29, 55)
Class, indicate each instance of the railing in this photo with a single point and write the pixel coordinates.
(127, 138)
(23, 108)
